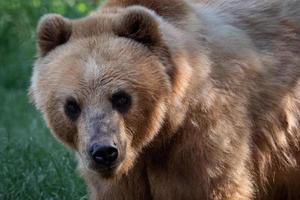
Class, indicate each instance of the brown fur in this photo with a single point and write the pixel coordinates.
(215, 86)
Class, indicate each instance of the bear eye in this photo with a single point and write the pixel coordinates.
(72, 109)
(121, 101)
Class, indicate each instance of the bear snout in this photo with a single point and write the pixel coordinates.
(104, 155)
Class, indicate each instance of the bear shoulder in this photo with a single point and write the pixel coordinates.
(170, 9)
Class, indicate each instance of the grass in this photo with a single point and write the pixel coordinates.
(33, 165)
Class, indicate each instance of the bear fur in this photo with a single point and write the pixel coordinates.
(215, 96)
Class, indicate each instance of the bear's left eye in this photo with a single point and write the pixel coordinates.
(121, 101)
(72, 109)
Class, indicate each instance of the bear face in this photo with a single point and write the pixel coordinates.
(101, 86)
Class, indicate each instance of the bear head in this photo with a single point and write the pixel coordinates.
(102, 83)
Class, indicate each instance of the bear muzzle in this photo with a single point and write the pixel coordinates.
(105, 155)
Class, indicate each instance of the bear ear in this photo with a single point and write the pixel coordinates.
(53, 30)
(138, 24)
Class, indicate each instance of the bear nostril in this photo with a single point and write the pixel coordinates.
(104, 155)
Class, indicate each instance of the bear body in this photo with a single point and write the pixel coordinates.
(200, 98)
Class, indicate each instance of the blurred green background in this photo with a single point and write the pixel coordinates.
(33, 165)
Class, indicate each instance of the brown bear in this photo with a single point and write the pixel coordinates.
(174, 99)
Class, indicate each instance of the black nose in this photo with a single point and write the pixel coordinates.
(104, 155)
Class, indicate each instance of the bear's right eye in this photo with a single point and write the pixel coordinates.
(72, 109)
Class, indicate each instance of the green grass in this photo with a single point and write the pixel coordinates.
(33, 165)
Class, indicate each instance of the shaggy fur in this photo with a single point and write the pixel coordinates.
(215, 88)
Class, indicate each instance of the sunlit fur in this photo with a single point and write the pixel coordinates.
(215, 88)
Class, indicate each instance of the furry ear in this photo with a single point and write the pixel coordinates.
(138, 24)
(53, 30)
